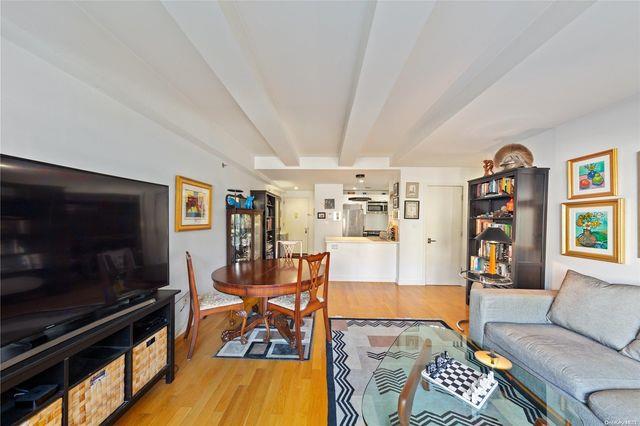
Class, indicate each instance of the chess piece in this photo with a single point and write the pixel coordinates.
(432, 370)
(490, 377)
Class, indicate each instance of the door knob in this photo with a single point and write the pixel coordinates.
(429, 241)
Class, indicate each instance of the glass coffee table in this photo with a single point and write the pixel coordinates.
(520, 399)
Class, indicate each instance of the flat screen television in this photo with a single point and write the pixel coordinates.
(75, 244)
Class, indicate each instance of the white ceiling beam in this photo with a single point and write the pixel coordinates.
(314, 163)
(393, 33)
(495, 62)
(206, 26)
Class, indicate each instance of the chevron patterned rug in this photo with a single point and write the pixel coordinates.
(354, 355)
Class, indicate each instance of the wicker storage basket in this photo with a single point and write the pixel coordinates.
(48, 416)
(149, 357)
(94, 399)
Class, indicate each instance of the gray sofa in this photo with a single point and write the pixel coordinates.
(583, 341)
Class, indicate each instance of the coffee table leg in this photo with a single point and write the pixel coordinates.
(405, 400)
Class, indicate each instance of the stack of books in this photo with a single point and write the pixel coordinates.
(503, 186)
(482, 224)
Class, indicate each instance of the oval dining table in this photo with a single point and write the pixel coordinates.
(261, 279)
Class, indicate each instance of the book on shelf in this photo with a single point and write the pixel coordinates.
(482, 224)
(481, 265)
(503, 251)
(503, 186)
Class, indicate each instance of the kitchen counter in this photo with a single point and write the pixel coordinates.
(358, 240)
(368, 259)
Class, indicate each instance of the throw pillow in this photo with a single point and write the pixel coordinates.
(607, 313)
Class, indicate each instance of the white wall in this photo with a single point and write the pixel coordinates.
(326, 227)
(617, 126)
(413, 238)
(50, 116)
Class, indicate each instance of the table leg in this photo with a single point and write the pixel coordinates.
(282, 325)
(252, 322)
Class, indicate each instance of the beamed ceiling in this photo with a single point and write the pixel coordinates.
(419, 83)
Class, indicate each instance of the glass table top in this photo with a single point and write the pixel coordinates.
(520, 399)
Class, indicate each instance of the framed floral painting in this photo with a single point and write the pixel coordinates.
(593, 175)
(594, 230)
(193, 204)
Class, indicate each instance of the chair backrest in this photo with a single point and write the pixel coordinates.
(193, 291)
(314, 261)
(288, 247)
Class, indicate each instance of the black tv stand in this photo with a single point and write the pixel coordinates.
(66, 364)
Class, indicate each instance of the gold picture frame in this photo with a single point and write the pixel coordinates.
(594, 230)
(194, 205)
(593, 175)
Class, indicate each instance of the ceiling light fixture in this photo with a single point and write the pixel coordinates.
(360, 177)
(295, 187)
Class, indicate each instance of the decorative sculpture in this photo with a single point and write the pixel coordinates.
(513, 156)
(487, 165)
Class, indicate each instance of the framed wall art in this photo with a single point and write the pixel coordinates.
(329, 203)
(593, 175)
(411, 209)
(412, 190)
(322, 215)
(193, 204)
(395, 202)
(594, 230)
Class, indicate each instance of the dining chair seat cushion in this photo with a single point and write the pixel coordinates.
(289, 301)
(216, 299)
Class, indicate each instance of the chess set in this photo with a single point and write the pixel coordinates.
(461, 381)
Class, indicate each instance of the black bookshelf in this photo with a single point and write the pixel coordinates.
(524, 259)
(269, 204)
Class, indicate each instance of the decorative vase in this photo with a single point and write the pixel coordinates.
(587, 239)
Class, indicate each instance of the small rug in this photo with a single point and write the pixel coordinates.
(358, 347)
(278, 347)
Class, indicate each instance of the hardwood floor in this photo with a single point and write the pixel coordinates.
(234, 392)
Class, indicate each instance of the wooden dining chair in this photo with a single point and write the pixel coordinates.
(209, 303)
(303, 303)
(288, 247)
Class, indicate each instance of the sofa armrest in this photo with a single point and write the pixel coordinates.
(506, 305)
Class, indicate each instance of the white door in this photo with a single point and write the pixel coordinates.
(295, 216)
(443, 217)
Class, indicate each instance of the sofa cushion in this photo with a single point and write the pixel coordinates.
(617, 406)
(570, 361)
(632, 350)
(605, 312)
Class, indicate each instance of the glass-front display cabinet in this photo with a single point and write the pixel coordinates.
(244, 235)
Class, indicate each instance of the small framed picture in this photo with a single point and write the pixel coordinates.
(412, 190)
(329, 203)
(396, 188)
(193, 204)
(594, 230)
(411, 209)
(322, 215)
(593, 175)
(395, 200)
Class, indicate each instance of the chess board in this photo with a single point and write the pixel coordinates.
(457, 379)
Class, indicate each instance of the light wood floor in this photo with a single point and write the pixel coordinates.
(210, 390)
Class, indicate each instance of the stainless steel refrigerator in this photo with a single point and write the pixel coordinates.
(352, 220)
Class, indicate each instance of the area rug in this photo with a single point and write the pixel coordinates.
(358, 347)
(277, 349)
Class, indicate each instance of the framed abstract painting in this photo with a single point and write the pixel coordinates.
(594, 230)
(193, 204)
(593, 175)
